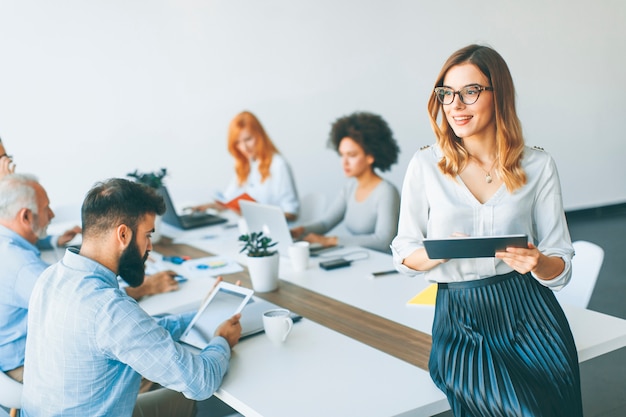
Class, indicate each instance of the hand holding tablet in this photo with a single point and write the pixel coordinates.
(224, 301)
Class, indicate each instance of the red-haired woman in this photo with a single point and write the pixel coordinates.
(260, 169)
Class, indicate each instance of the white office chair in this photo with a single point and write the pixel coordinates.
(10, 393)
(312, 207)
(586, 265)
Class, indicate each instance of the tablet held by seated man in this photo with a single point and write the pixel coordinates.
(225, 301)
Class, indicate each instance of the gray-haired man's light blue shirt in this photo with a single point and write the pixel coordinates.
(20, 266)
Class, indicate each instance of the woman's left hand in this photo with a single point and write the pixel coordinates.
(522, 260)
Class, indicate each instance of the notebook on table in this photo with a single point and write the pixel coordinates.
(186, 221)
(200, 331)
(234, 203)
(252, 316)
(426, 297)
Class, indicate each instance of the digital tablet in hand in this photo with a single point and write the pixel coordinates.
(225, 301)
(472, 246)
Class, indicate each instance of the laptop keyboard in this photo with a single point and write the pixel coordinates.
(200, 218)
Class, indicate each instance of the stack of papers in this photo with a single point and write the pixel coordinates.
(213, 265)
(210, 265)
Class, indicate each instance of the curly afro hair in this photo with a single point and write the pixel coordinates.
(372, 133)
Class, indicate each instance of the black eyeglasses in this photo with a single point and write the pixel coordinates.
(468, 95)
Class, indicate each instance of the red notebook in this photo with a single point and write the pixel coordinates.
(234, 203)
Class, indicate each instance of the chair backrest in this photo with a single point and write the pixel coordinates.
(10, 392)
(312, 207)
(586, 265)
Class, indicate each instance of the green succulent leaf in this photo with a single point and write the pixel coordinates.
(257, 245)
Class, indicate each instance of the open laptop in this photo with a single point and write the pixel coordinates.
(270, 220)
(186, 221)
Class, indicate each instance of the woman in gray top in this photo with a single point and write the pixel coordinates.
(367, 204)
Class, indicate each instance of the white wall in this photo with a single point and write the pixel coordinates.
(95, 89)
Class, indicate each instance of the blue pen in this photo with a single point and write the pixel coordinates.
(212, 265)
(180, 278)
(176, 260)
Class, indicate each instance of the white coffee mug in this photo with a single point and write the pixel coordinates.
(277, 324)
(299, 256)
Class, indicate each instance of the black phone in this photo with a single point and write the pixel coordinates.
(335, 263)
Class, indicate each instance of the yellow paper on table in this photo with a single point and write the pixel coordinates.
(425, 297)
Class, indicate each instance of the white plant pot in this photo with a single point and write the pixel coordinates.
(263, 272)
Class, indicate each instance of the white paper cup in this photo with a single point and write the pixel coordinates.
(299, 256)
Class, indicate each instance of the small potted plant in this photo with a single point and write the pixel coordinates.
(262, 261)
(153, 180)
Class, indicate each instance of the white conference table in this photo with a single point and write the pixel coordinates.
(317, 372)
(322, 372)
(595, 333)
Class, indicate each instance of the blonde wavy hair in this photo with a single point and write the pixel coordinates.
(265, 149)
(509, 138)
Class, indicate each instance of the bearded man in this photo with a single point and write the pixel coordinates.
(25, 215)
(89, 343)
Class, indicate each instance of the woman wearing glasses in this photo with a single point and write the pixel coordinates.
(501, 343)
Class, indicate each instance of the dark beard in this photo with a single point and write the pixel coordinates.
(132, 264)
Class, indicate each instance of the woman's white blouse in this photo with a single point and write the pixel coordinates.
(279, 189)
(436, 206)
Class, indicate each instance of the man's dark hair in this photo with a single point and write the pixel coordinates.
(118, 201)
(372, 133)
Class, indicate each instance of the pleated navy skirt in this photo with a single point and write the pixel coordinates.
(502, 346)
